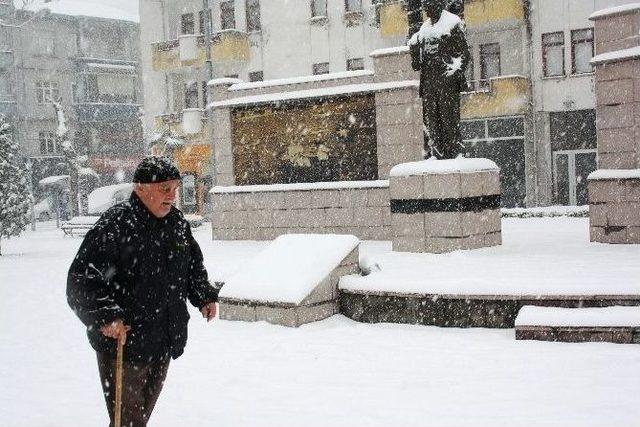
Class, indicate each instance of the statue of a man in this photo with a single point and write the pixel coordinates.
(440, 52)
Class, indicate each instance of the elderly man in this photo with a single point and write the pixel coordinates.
(130, 278)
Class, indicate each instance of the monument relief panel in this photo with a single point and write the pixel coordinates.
(305, 141)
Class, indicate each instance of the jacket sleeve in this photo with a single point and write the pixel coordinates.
(90, 291)
(201, 292)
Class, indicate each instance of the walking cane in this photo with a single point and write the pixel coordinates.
(118, 404)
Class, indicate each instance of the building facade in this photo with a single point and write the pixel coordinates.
(90, 66)
(529, 105)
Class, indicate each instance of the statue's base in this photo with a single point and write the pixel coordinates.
(614, 206)
(440, 206)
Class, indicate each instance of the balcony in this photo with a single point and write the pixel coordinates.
(499, 96)
(481, 12)
(6, 60)
(393, 19)
(8, 106)
(185, 125)
(106, 112)
(227, 47)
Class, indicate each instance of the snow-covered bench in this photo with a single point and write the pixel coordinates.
(618, 324)
(79, 225)
(293, 281)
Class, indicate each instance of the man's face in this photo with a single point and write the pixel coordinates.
(434, 8)
(159, 196)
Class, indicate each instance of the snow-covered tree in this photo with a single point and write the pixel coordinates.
(14, 190)
(82, 179)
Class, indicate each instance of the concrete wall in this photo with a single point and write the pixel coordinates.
(265, 212)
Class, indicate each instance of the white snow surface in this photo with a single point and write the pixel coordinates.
(615, 10)
(53, 179)
(447, 22)
(539, 258)
(126, 10)
(84, 220)
(397, 50)
(103, 198)
(302, 186)
(302, 79)
(331, 373)
(616, 55)
(289, 268)
(605, 317)
(614, 174)
(314, 93)
(435, 166)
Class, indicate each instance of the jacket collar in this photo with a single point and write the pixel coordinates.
(143, 212)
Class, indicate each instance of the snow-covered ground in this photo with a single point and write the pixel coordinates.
(331, 373)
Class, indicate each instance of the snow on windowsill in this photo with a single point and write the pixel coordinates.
(617, 55)
(304, 186)
(433, 166)
(579, 317)
(605, 174)
(314, 93)
(302, 79)
(616, 10)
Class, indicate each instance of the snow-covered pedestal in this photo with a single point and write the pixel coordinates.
(441, 206)
(188, 45)
(614, 189)
(293, 281)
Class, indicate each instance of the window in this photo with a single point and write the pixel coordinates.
(553, 54)
(227, 15)
(318, 8)
(191, 95)
(352, 5)
(47, 142)
(5, 86)
(205, 101)
(256, 76)
(253, 15)
(189, 190)
(581, 51)
(47, 91)
(187, 24)
(43, 43)
(355, 64)
(110, 88)
(321, 68)
(489, 60)
(201, 17)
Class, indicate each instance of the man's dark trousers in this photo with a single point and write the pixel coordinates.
(441, 115)
(141, 386)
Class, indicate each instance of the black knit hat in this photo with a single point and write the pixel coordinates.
(155, 169)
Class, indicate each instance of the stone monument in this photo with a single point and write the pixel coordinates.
(614, 189)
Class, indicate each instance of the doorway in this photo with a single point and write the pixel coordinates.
(571, 169)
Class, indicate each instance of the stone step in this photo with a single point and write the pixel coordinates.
(293, 281)
(618, 324)
(460, 311)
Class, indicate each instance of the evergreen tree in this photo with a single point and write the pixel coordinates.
(14, 191)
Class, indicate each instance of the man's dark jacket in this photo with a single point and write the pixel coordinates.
(139, 268)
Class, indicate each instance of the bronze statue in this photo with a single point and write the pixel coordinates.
(440, 52)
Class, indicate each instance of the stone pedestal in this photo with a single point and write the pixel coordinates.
(614, 189)
(441, 206)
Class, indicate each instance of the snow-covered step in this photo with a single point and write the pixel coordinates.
(619, 324)
(293, 281)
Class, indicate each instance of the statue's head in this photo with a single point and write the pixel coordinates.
(434, 8)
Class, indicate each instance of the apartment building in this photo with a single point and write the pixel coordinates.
(529, 105)
(87, 63)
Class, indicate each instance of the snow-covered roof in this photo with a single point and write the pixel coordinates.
(616, 55)
(579, 317)
(112, 67)
(289, 268)
(314, 93)
(434, 166)
(303, 186)
(302, 79)
(616, 10)
(124, 10)
(602, 174)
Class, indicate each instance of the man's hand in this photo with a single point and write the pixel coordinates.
(209, 311)
(115, 329)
